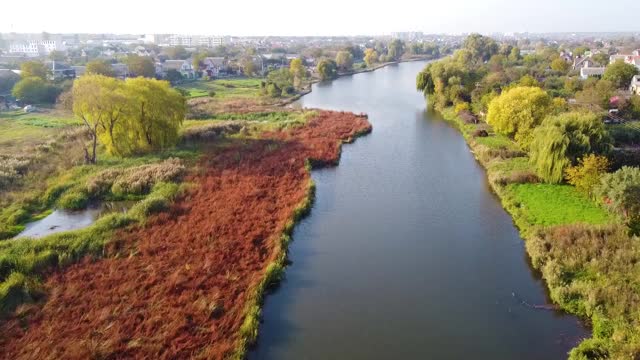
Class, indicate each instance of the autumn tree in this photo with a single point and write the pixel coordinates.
(327, 69)
(154, 115)
(33, 69)
(620, 73)
(140, 66)
(562, 139)
(370, 57)
(248, 66)
(586, 175)
(560, 65)
(516, 112)
(176, 52)
(344, 60)
(297, 70)
(100, 67)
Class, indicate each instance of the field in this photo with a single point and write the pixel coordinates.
(547, 205)
(19, 129)
(232, 88)
(189, 282)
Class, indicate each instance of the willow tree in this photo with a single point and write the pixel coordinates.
(100, 103)
(517, 111)
(562, 139)
(155, 114)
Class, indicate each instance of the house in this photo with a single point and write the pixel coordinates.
(587, 72)
(582, 62)
(213, 66)
(633, 59)
(635, 85)
(60, 71)
(34, 48)
(184, 67)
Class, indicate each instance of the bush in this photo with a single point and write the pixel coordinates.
(613, 188)
(586, 175)
(34, 90)
(480, 133)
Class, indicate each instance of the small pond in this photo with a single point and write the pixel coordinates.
(64, 220)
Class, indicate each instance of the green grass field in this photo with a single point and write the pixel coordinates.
(232, 88)
(496, 142)
(18, 128)
(546, 204)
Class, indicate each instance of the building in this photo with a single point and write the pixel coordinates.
(213, 66)
(633, 59)
(184, 67)
(35, 48)
(181, 40)
(582, 62)
(587, 72)
(210, 41)
(635, 85)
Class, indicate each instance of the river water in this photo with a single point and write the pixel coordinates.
(407, 254)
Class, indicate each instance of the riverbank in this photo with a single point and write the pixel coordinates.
(582, 252)
(190, 281)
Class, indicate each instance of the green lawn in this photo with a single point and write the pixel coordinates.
(496, 142)
(18, 128)
(232, 88)
(546, 204)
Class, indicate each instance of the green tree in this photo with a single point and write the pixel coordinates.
(514, 56)
(33, 69)
(601, 59)
(34, 90)
(580, 50)
(248, 66)
(482, 48)
(344, 60)
(297, 70)
(177, 53)
(327, 69)
(197, 60)
(596, 94)
(396, 50)
(370, 57)
(517, 111)
(620, 73)
(100, 67)
(140, 66)
(173, 76)
(562, 139)
(620, 191)
(7, 80)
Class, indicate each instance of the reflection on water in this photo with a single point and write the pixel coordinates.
(64, 220)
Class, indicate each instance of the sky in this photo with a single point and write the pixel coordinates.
(319, 17)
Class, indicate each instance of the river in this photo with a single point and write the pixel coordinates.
(407, 254)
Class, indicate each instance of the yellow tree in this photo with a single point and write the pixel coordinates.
(33, 69)
(370, 57)
(517, 111)
(298, 71)
(156, 112)
(100, 103)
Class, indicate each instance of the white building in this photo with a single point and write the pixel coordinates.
(181, 40)
(36, 47)
(635, 85)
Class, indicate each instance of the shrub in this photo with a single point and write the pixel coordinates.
(480, 133)
(586, 175)
(613, 188)
(468, 117)
(35, 90)
(462, 106)
(74, 199)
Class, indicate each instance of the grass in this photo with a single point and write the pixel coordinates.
(18, 129)
(548, 204)
(231, 88)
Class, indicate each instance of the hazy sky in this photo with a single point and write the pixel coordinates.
(318, 17)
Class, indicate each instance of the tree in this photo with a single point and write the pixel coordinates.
(279, 83)
(516, 112)
(140, 66)
(100, 67)
(297, 70)
(197, 60)
(35, 90)
(56, 55)
(396, 50)
(601, 59)
(173, 76)
(176, 53)
(560, 65)
(482, 48)
(344, 60)
(327, 69)
(33, 69)
(514, 56)
(127, 117)
(596, 93)
(586, 175)
(248, 66)
(620, 74)
(370, 57)
(620, 191)
(580, 50)
(562, 139)
(7, 80)
(155, 114)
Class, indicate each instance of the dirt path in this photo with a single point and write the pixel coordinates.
(177, 287)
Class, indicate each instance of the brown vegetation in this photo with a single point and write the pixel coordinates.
(179, 286)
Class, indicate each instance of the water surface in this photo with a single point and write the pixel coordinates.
(406, 254)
